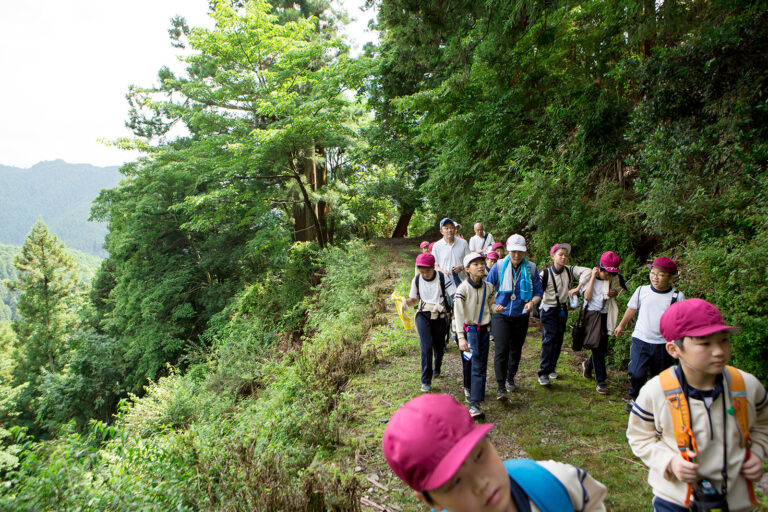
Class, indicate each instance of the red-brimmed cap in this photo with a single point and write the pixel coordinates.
(555, 247)
(425, 260)
(692, 317)
(497, 245)
(665, 265)
(609, 261)
(428, 439)
(492, 255)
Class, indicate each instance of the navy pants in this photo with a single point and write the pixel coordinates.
(596, 361)
(661, 505)
(645, 357)
(432, 339)
(508, 336)
(552, 332)
(476, 369)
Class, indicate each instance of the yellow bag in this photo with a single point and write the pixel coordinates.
(401, 310)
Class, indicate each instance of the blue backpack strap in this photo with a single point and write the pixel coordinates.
(541, 486)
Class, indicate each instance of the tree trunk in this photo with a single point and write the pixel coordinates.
(402, 225)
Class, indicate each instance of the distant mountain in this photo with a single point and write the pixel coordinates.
(60, 194)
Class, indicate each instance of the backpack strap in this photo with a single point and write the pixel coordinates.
(675, 296)
(544, 279)
(738, 392)
(542, 487)
(681, 417)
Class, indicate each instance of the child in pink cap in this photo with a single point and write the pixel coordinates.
(600, 286)
(648, 353)
(430, 292)
(719, 460)
(434, 446)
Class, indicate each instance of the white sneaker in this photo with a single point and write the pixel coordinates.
(543, 380)
(553, 376)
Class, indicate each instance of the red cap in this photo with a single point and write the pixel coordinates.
(425, 260)
(692, 317)
(497, 245)
(492, 255)
(431, 246)
(610, 262)
(555, 247)
(423, 244)
(665, 265)
(428, 439)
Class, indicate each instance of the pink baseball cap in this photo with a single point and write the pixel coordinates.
(665, 265)
(428, 439)
(516, 243)
(423, 244)
(425, 260)
(610, 262)
(431, 246)
(692, 317)
(555, 247)
(493, 255)
(497, 245)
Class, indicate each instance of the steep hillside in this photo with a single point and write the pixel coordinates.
(58, 192)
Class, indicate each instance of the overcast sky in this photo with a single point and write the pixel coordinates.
(67, 64)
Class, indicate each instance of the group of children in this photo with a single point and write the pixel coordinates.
(701, 427)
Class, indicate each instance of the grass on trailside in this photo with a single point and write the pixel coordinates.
(568, 422)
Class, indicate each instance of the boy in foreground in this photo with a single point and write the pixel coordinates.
(472, 306)
(648, 350)
(701, 427)
(432, 444)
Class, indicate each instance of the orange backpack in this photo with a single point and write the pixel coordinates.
(681, 415)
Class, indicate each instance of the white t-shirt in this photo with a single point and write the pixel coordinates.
(652, 304)
(429, 290)
(597, 302)
(449, 256)
(481, 243)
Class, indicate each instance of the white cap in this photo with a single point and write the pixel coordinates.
(469, 258)
(516, 243)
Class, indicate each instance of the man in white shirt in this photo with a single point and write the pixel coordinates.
(480, 243)
(449, 252)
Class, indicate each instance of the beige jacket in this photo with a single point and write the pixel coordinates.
(586, 493)
(563, 285)
(466, 305)
(611, 284)
(651, 437)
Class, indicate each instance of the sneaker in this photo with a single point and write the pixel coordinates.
(553, 376)
(511, 386)
(630, 405)
(436, 374)
(467, 394)
(602, 388)
(426, 388)
(543, 380)
(586, 372)
(475, 411)
(501, 394)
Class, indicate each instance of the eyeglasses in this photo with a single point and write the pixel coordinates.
(658, 275)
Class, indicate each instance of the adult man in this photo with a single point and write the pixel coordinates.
(449, 252)
(480, 243)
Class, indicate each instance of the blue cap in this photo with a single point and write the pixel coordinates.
(446, 220)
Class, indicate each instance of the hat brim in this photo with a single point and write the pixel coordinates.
(516, 247)
(610, 270)
(668, 271)
(556, 248)
(456, 457)
(710, 329)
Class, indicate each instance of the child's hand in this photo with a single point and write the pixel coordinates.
(573, 292)
(463, 344)
(595, 270)
(499, 308)
(752, 469)
(684, 470)
(619, 329)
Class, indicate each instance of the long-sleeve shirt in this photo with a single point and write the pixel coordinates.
(563, 284)
(650, 432)
(467, 301)
(514, 308)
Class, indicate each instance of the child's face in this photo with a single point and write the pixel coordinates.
(491, 262)
(480, 485)
(476, 268)
(560, 258)
(426, 272)
(707, 355)
(501, 251)
(424, 250)
(661, 280)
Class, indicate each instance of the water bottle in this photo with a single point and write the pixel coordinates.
(574, 301)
